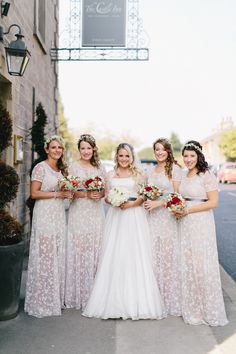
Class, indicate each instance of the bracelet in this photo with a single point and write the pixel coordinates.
(55, 195)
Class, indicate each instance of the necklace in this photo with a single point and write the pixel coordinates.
(124, 174)
(54, 168)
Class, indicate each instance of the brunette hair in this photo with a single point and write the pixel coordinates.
(170, 158)
(95, 161)
(193, 145)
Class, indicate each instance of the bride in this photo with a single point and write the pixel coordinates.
(125, 285)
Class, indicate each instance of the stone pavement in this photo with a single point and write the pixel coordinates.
(73, 334)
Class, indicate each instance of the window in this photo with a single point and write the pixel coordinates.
(40, 22)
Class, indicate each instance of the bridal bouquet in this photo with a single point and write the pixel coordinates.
(117, 196)
(149, 191)
(175, 202)
(69, 183)
(94, 184)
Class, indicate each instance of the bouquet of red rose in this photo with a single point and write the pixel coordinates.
(175, 202)
(149, 191)
(94, 184)
(69, 183)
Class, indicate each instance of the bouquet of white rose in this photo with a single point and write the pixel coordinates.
(117, 196)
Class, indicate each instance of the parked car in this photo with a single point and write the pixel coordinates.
(146, 163)
(108, 164)
(227, 172)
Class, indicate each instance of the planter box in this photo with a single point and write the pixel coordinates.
(11, 264)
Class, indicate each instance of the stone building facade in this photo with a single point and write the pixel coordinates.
(38, 20)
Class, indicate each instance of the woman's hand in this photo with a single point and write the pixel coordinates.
(95, 195)
(127, 205)
(180, 213)
(64, 194)
(152, 204)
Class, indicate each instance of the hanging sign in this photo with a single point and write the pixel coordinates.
(103, 23)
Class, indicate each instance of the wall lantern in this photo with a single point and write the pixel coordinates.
(5, 6)
(17, 55)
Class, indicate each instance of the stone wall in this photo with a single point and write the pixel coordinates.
(20, 95)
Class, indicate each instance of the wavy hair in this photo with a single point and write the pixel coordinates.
(193, 145)
(133, 159)
(170, 157)
(95, 161)
(61, 163)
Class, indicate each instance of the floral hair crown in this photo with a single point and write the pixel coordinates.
(86, 137)
(54, 137)
(194, 146)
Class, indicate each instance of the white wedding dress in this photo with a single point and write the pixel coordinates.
(125, 285)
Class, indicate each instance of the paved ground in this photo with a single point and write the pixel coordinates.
(73, 334)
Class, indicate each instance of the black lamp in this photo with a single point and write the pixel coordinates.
(4, 8)
(17, 55)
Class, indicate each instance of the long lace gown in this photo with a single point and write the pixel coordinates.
(166, 244)
(202, 300)
(46, 266)
(125, 285)
(85, 228)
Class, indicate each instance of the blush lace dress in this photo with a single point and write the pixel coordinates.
(46, 266)
(85, 228)
(202, 300)
(166, 244)
(125, 285)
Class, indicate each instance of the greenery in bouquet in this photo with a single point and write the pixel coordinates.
(69, 183)
(94, 184)
(149, 191)
(117, 196)
(175, 202)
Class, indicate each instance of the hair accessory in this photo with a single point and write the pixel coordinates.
(54, 137)
(87, 137)
(194, 146)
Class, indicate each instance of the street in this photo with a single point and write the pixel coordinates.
(225, 217)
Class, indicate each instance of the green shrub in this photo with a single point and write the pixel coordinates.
(9, 182)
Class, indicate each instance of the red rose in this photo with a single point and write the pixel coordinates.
(176, 200)
(148, 189)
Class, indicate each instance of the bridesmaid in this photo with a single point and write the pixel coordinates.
(164, 229)
(85, 226)
(202, 299)
(46, 267)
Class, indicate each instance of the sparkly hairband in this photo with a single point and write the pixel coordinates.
(194, 146)
(54, 137)
(87, 136)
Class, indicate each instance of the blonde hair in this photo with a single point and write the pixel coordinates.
(133, 164)
(61, 163)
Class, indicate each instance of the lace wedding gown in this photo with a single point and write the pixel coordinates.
(125, 285)
(166, 244)
(46, 266)
(85, 228)
(202, 299)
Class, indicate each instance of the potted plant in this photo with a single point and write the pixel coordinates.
(11, 233)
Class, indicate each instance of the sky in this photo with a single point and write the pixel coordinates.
(187, 86)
